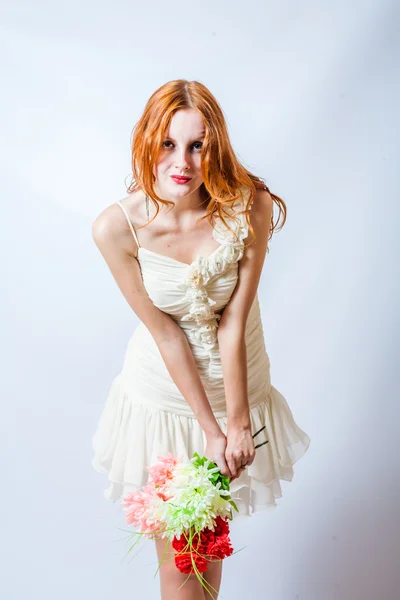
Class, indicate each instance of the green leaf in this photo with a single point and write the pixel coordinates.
(233, 504)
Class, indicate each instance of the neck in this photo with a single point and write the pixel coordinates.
(195, 202)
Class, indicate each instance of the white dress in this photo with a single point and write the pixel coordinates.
(145, 415)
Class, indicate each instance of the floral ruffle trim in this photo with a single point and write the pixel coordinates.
(202, 269)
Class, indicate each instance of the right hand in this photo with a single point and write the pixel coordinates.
(215, 451)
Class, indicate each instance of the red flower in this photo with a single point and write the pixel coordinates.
(220, 547)
(221, 526)
(184, 562)
(207, 546)
(180, 544)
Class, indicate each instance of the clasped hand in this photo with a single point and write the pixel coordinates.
(232, 452)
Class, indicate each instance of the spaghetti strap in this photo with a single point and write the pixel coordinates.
(129, 223)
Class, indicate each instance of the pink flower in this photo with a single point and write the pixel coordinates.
(163, 471)
(138, 506)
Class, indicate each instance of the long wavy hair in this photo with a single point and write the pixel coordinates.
(223, 174)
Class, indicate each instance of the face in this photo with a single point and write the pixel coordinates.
(180, 155)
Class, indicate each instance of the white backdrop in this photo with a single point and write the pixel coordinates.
(311, 94)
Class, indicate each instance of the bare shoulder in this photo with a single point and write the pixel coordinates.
(262, 205)
(261, 213)
(111, 226)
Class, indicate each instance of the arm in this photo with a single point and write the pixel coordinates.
(119, 250)
(231, 336)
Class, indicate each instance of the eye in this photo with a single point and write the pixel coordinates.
(195, 145)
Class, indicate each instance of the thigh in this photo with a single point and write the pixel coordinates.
(213, 577)
(174, 584)
(165, 551)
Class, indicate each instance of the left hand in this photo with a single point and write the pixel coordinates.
(239, 452)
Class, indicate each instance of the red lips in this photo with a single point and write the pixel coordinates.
(180, 178)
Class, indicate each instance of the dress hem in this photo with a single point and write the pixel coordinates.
(258, 487)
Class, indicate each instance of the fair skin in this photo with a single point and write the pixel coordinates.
(176, 232)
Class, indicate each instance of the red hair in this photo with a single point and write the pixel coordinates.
(223, 174)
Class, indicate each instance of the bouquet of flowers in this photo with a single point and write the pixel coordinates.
(189, 503)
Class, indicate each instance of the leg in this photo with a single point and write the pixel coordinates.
(171, 579)
(213, 577)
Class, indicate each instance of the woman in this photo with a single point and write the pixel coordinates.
(186, 248)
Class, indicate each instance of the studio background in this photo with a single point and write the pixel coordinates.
(310, 92)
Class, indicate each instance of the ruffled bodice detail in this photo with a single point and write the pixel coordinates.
(197, 310)
(202, 313)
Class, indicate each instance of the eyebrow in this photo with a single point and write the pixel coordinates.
(195, 138)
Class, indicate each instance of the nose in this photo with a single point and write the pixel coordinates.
(181, 160)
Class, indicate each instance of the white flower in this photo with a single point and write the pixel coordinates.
(206, 334)
(195, 278)
(197, 295)
(198, 274)
(199, 312)
(209, 332)
(232, 253)
(217, 264)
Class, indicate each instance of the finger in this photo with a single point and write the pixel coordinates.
(235, 465)
(232, 466)
(251, 458)
(223, 467)
(241, 463)
(239, 472)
